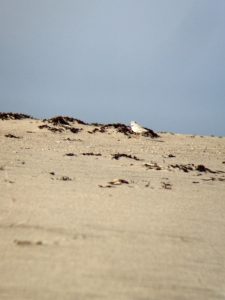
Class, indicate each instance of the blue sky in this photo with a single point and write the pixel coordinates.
(159, 62)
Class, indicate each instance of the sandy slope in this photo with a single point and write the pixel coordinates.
(72, 235)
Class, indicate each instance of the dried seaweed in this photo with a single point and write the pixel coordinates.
(166, 186)
(92, 154)
(150, 133)
(65, 178)
(184, 168)
(122, 128)
(171, 156)
(64, 120)
(53, 129)
(101, 130)
(12, 136)
(202, 168)
(119, 155)
(192, 167)
(153, 166)
(14, 116)
(70, 154)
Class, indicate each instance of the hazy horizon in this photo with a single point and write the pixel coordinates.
(161, 63)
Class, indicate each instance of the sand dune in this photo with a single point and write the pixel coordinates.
(93, 211)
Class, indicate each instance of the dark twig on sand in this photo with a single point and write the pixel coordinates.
(119, 155)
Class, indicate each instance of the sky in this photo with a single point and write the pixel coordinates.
(158, 62)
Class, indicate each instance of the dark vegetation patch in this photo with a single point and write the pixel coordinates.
(119, 155)
(121, 128)
(91, 154)
(119, 182)
(65, 178)
(61, 129)
(9, 181)
(96, 124)
(150, 133)
(184, 168)
(191, 167)
(27, 243)
(114, 182)
(171, 156)
(101, 130)
(214, 179)
(72, 140)
(73, 130)
(64, 120)
(166, 186)
(14, 116)
(153, 166)
(221, 179)
(12, 136)
(53, 129)
(70, 154)
(209, 179)
(202, 168)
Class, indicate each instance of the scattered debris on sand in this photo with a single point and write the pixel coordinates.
(117, 156)
(65, 178)
(72, 140)
(214, 179)
(12, 136)
(221, 179)
(166, 186)
(9, 181)
(209, 179)
(191, 167)
(70, 154)
(114, 182)
(147, 184)
(27, 243)
(91, 154)
(153, 166)
(118, 182)
(202, 168)
(13, 116)
(182, 167)
(105, 186)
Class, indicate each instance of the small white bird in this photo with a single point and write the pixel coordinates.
(137, 128)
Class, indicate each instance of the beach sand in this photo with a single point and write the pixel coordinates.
(79, 222)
